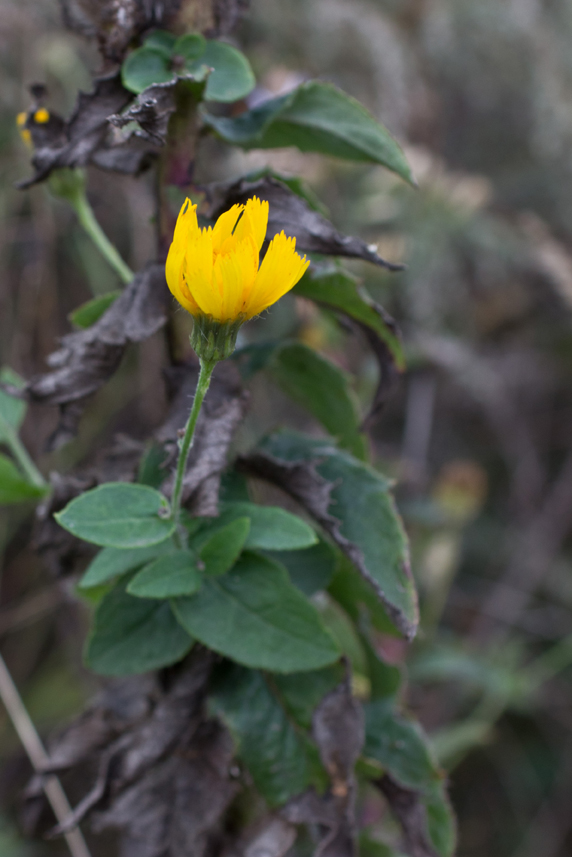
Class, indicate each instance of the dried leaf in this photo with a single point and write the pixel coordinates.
(86, 138)
(152, 110)
(338, 729)
(163, 771)
(288, 211)
(88, 358)
(408, 808)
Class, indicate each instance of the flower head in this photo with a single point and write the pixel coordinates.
(216, 272)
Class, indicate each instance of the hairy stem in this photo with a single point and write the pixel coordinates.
(203, 384)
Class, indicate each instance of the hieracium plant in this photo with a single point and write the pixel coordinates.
(264, 621)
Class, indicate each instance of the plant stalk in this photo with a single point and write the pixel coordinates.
(203, 383)
(87, 218)
(39, 759)
(20, 453)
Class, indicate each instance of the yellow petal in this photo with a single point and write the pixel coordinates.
(224, 226)
(198, 273)
(254, 221)
(235, 274)
(280, 270)
(185, 227)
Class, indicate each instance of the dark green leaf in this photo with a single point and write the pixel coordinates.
(91, 311)
(358, 598)
(343, 631)
(352, 501)
(191, 46)
(144, 67)
(233, 487)
(12, 410)
(222, 550)
(152, 466)
(315, 117)
(168, 576)
(337, 289)
(301, 692)
(14, 488)
(162, 41)
(118, 515)
(255, 616)
(231, 77)
(311, 569)
(402, 749)
(323, 389)
(268, 743)
(134, 635)
(398, 745)
(271, 528)
(385, 679)
(113, 562)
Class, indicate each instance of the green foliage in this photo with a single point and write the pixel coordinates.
(168, 576)
(111, 563)
(271, 528)
(335, 288)
(361, 501)
(315, 117)
(91, 311)
(134, 635)
(222, 549)
(272, 748)
(118, 515)
(321, 387)
(256, 617)
(311, 569)
(14, 488)
(227, 71)
(401, 748)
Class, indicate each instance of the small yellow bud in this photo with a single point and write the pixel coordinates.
(41, 116)
(21, 119)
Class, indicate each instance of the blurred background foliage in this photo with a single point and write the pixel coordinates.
(478, 433)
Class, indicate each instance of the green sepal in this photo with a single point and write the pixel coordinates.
(213, 340)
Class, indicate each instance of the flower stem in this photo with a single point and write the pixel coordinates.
(20, 453)
(70, 184)
(203, 383)
(87, 219)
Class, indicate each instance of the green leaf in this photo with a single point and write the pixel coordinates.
(301, 692)
(310, 570)
(191, 46)
(358, 598)
(144, 67)
(323, 389)
(267, 742)
(401, 747)
(223, 548)
(152, 466)
(118, 515)
(163, 41)
(271, 528)
(255, 616)
(168, 576)
(14, 488)
(231, 77)
(359, 514)
(113, 562)
(12, 410)
(315, 117)
(337, 289)
(91, 311)
(385, 679)
(134, 635)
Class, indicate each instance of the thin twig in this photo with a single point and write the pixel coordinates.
(39, 759)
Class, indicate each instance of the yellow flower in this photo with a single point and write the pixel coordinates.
(215, 272)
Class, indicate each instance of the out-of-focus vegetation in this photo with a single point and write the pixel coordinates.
(479, 431)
